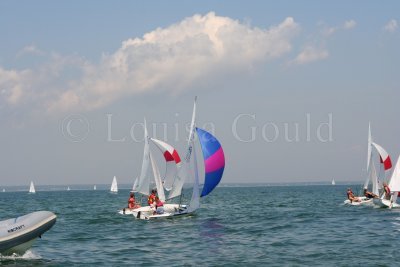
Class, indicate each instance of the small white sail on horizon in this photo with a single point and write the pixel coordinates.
(32, 188)
(94, 187)
(114, 185)
(333, 182)
(68, 189)
(135, 185)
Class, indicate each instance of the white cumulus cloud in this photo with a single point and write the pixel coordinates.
(310, 54)
(174, 57)
(30, 49)
(169, 59)
(349, 24)
(329, 31)
(391, 26)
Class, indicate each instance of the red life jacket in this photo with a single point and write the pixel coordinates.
(151, 199)
(131, 203)
(159, 203)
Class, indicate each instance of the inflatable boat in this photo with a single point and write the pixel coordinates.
(18, 234)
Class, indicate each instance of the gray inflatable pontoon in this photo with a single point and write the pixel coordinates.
(18, 234)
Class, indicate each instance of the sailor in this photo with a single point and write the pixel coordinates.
(351, 197)
(151, 200)
(369, 194)
(131, 201)
(159, 206)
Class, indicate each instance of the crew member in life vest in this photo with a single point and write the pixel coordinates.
(151, 200)
(369, 194)
(351, 197)
(159, 206)
(132, 202)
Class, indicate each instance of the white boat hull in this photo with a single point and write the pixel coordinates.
(126, 211)
(18, 234)
(147, 213)
(385, 203)
(364, 201)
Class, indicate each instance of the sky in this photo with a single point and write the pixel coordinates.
(287, 87)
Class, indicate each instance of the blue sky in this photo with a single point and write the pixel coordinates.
(269, 66)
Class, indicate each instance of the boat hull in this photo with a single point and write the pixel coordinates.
(18, 234)
(170, 210)
(364, 201)
(385, 203)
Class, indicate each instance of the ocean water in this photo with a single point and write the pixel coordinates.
(235, 226)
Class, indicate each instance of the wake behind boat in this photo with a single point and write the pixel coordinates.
(18, 234)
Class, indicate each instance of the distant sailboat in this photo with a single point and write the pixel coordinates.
(114, 185)
(94, 187)
(68, 188)
(333, 182)
(135, 185)
(32, 188)
(4, 190)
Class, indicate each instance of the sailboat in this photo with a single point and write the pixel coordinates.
(333, 182)
(214, 163)
(394, 185)
(32, 188)
(68, 189)
(94, 187)
(143, 183)
(385, 164)
(114, 185)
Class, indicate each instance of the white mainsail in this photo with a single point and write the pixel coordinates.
(369, 146)
(94, 187)
(333, 182)
(114, 185)
(157, 179)
(32, 188)
(184, 171)
(369, 156)
(374, 178)
(195, 200)
(143, 184)
(394, 183)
